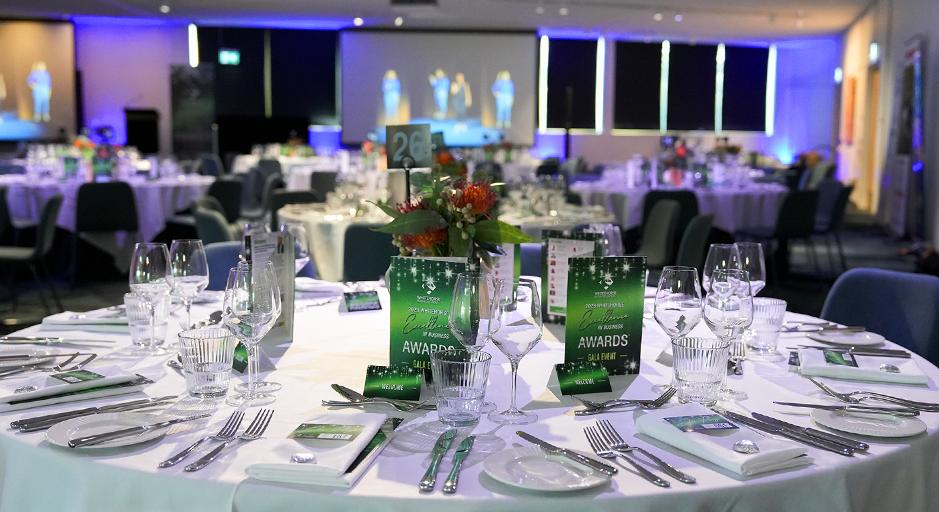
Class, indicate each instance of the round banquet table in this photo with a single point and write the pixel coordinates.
(334, 347)
(157, 201)
(568, 217)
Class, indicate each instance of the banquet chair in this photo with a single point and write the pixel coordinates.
(833, 200)
(211, 226)
(35, 257)
(8, 168)
(897, 305)
(7, 229)
(574, 198)
(281, 198)
(323, 182)
(270, 166)
(271, 183)
(366, 253)
(619, 203)
(210, 165)
(795, 221)
(228, 193)
(221, 256)
(491, 169)
(531, 259)
(658, 233)
(694, 242)
(103, 208)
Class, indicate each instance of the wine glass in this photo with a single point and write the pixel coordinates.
(728, 311)
(149, 279)
(515, 328)
(265, 386)
(474, 295)
(189, 272)
(300, 247)
(720, 256)
(752, 260)
(677, 306)
(252, 305)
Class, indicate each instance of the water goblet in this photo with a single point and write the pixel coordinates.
(189, 272)
(720, 256)
(515, 329)
(471, 311)
(149, 279)
(752, 260)
(728, 311)
(677, 305)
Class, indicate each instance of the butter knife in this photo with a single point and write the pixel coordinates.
(449, 485)
(846, 441)
(795, 436)
(570, 454)
(869, 409)
(429, 480)
(127, 432)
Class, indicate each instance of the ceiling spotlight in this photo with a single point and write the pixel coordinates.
(678, 18)
(358, 21)
(399, 21)
(165, 9)
(564, 11)
(539, 10)
(657, 16)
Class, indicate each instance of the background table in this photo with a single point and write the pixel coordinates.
(333, 347)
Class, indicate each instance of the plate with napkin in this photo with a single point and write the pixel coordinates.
(842, 365)
(53, 388)
(318, 286)
(98, 320)
(325, 462)
(717, 446)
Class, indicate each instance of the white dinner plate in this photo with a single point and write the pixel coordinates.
(856, 339)
(61, 433)
(876, 425)
(533, 469)
(36, 355)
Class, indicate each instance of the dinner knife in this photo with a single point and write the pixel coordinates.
(449, 485)
(50, 340)
(870, 409)
(864, 351)
(45, 421)
(127, 432)
(795, 436)
(570, 454)
(429, 480)
(845, 441)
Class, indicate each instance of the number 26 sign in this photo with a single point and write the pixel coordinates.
(408, 146)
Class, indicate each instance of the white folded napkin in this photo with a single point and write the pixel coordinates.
(318, 286)
(209, 296)
(812, 363)
(717, 446)
(332, 458)
(99, 320)
(48, 387)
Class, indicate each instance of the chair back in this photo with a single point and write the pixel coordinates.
(531, 259)
(658, 233)
(491, 169)
(271, 183)
(228, 194)
(323, 182)
(45, 230)
(252, 188)
(366, 253)
(620, 204)
(211, 226)
(6, 222)
(280, 198)
(694, 242)
(8, 168)
(270, 166)
(221, 256)
(841, 205)
(797, 215)
(897, 305)
(828, 192)
(105, 207)
(210, 165)
(209, 203)
(574, 198)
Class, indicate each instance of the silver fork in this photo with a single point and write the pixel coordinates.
(252, 433)
(601, 448)
(645, 404)
(57, 368)
(619, 444)
(738, 352)
(226, 433)
(856, 397)
(616, 401)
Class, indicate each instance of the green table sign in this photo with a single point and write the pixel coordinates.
(557, 248)
(400, 382)
(421, 290)
(582, 377)
(604, 312)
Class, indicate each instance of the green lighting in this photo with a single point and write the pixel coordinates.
(229, 57)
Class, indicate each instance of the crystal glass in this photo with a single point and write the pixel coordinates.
(699, 366)
(149, 279)
(189, 272)
(515, 329)
(301, 246)
(752, 260)
(252, 305)
(612, 238)
(138, 320)
(768, 317)
(677, 307)
(728, 311)
(720, 256)
(460, 378)
(474, 296)
(207, 355)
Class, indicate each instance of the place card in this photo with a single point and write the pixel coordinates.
(76, 376)
(604, 312)
(839, 358)
(557, 248)
(327, 431)
(701, 423)
(361, 301)
(582, 377)
(421, 290)
(399, 382)
(102, 168)
(277, 248)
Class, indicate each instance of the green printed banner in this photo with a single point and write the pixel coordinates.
(421, 290)
(604, 312)
(557, 248)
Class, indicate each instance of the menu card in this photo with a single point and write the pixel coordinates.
(557, 247)
(277, 248)
(604, 312)
(421, 290)
(507, 266)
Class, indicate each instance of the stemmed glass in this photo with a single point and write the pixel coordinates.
(751, 260)
(150, 280)
(252, 305)
(189, 272)
(728, 311)
(471, 311)
(515, 328)
(720, 256)
(300, 248)
(677, 307)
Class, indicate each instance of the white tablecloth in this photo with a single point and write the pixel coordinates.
(567, 218)
(332, 347)
(243, 163)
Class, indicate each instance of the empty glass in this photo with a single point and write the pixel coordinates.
(515, 329)
(752, 260)
(189, 272)
(149, 279)
(699, 366)
(142, 335)
(471, 309)
(678, 301)
(720, 256)
(728, 311)
(768, 317)
(612, 238)
(460, 378)
(207, 355)
(301, 250)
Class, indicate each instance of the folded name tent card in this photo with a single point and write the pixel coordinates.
(582, 377)
(399, 382)
(361, 301)
(604, 312)
(557, 248)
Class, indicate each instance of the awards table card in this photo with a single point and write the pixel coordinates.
(557, 248)
(604, 312)
(421, 290)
